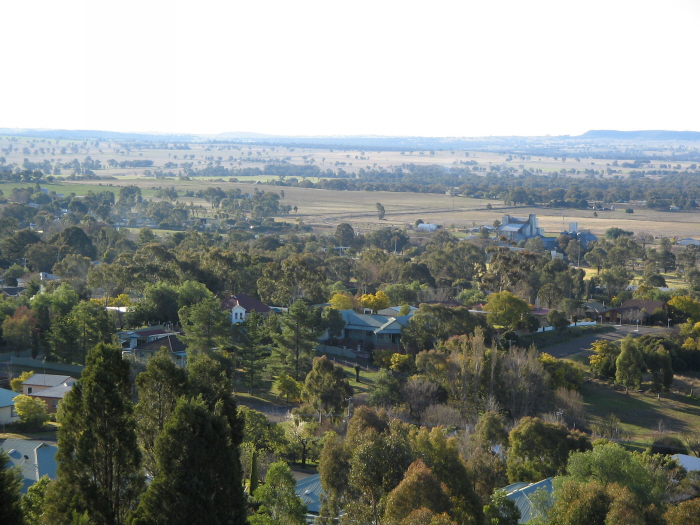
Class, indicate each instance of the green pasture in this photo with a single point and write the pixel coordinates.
(641, 414)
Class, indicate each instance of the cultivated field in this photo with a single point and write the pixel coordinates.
(324, 209)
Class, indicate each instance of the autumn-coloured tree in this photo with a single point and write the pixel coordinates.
(375, 302)
(419, 488)
(341, 301)
(19, 331)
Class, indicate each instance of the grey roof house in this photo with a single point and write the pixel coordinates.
(521, 493)
(39, 382)
(33, 458)
(520, 228)
(378, 330)
(309, 491)
(7, 407)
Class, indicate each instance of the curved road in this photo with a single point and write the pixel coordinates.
(583, 344)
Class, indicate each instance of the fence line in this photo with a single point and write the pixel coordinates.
(40, 365)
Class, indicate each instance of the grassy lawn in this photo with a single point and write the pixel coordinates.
(47, 435)
(641, 414)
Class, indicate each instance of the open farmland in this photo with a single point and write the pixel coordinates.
(325, 209)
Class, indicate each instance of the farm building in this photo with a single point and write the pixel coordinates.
(520, 228)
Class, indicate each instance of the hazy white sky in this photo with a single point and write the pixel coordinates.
(431, 68)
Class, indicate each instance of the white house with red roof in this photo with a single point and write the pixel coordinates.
(240, 305)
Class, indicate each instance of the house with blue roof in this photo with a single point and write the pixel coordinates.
(522, 495)
(34, 459)
(374, 329)
(7, 407)
(309, 491)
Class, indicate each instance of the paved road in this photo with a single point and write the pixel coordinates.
(582, 344)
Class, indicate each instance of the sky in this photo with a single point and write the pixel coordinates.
(337, 67)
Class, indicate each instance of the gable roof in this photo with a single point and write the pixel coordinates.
(511, 227)
(355, 321)
(171, 342)
(394, 310)
(7, 398)
(48, 380)
(250, 304)
(33, 458)
(595, 306)
(56, 392)
(148, 332)
(640, 304)
(13, 291)
(521, 496)
(374, 322)
(309, 490)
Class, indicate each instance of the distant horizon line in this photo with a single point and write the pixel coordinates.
(649, 134)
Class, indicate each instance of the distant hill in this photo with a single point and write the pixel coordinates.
(640, 135)
(91, 134)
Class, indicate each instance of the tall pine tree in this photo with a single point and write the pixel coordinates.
(295, 346)
(198, 477)
(98, 456)
(159, 388)
(10, 495)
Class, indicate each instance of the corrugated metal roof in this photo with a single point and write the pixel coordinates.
(34, 459)
(7, 397)
(511, 228)
(47, 380)
(521, 496)
(57, 392)
(309, 490)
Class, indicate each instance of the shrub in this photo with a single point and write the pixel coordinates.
(668, 445)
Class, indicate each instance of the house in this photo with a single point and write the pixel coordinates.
(394, 310)
(133, 338)
(519, 228)
(42, 276)
(52, 396)
(425, 227)
(176, 349)
(689, 242)
(13, 291)
(373, 329)
(521, 493)
(582, 236)
(637, 310)
(34, 459)
(241, 304)
(7, 407)
(599, 312)
(309, 491)
(41, 382)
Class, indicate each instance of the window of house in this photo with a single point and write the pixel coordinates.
(12, 412)
(55, 403)
(29, 390)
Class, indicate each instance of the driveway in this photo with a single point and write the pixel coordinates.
(583, 344)
(276, 414)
